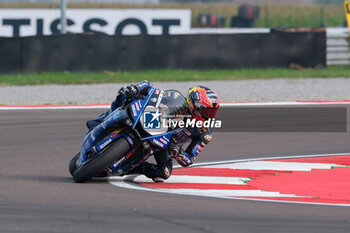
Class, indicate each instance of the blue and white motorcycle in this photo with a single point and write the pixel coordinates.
(129, 136)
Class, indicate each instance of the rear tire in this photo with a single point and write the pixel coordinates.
(97, 165)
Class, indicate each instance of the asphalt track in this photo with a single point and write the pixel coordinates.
(37, 193)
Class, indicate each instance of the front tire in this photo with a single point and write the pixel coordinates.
(72, 164)
(101, 162)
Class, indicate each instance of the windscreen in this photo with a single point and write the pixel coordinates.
(163, 107)
(172, 104)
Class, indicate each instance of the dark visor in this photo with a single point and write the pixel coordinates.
(208, 112)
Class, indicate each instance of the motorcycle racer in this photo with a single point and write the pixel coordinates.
(202, 104)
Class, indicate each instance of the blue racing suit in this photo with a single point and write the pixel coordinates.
(197, 138)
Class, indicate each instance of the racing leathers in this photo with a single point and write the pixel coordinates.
(196, 138)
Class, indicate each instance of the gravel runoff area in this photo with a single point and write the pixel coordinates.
(237, 91)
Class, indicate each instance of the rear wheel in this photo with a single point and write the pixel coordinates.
(101, 162)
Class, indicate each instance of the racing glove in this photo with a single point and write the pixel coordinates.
(132, 91)
(174, 150)
(183, 158)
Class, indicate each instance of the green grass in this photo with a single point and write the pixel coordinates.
(271, 15)
(169, 75)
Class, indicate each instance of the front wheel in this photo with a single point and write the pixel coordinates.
(72, 164)
(102, 161)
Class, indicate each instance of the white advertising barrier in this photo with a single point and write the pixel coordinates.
(30, 22)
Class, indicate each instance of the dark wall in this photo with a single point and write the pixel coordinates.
(10, 55)
(77, 52)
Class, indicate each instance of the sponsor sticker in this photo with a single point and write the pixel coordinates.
(137, 106)
(104, 144)
(131, 142)
(114, 135)
(163, 141)
(134, 112)
(158, 143)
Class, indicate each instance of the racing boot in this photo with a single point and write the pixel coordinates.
(158, 179)
(152, 171)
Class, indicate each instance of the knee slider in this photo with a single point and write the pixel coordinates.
(166, 172)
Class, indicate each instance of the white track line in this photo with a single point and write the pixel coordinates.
(285, 103)
(265, 158)
(277, 166)
(228, 193)
(104, 106)
(197, 179)
(53, 107)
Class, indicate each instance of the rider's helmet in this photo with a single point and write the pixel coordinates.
(202, 102)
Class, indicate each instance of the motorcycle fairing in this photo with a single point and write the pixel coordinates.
(112, 137)
(161, 140)
(114, 118)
